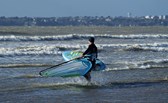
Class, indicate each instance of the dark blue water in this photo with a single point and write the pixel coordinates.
(136, 69)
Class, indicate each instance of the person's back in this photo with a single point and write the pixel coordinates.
(91, 51)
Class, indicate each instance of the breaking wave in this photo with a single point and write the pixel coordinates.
(155, 47)
(58, 48)
(149, 64)
(152, 64)
(37, 50)
(75, 36)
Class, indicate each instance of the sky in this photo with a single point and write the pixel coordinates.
(63, 8)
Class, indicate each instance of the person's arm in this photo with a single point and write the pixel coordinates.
(87, 50)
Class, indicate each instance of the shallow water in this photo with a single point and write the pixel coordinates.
(136, 69)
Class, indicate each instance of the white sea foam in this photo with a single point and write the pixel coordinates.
(39, 49)
(56, 49)
(73, 36)
(149, 64)
(31, 50)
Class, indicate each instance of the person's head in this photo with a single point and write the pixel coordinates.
(91, 39)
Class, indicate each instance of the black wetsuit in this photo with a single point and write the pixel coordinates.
(92, 52)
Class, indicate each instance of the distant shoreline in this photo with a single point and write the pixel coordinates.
(61, 30)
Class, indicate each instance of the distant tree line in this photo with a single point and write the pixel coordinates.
(83, 21)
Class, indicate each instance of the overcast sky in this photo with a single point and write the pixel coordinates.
(60, 8)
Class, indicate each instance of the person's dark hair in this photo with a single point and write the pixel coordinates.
(91, 39)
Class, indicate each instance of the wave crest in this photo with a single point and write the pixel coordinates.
(75, 36)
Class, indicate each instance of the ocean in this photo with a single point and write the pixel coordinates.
(137, 69)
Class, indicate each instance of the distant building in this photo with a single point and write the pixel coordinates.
(163, 17)
(151, 17)
(148, 17)
(108, 20)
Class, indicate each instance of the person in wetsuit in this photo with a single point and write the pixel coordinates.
(91, 53)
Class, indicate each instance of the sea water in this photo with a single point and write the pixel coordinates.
(137, 69)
